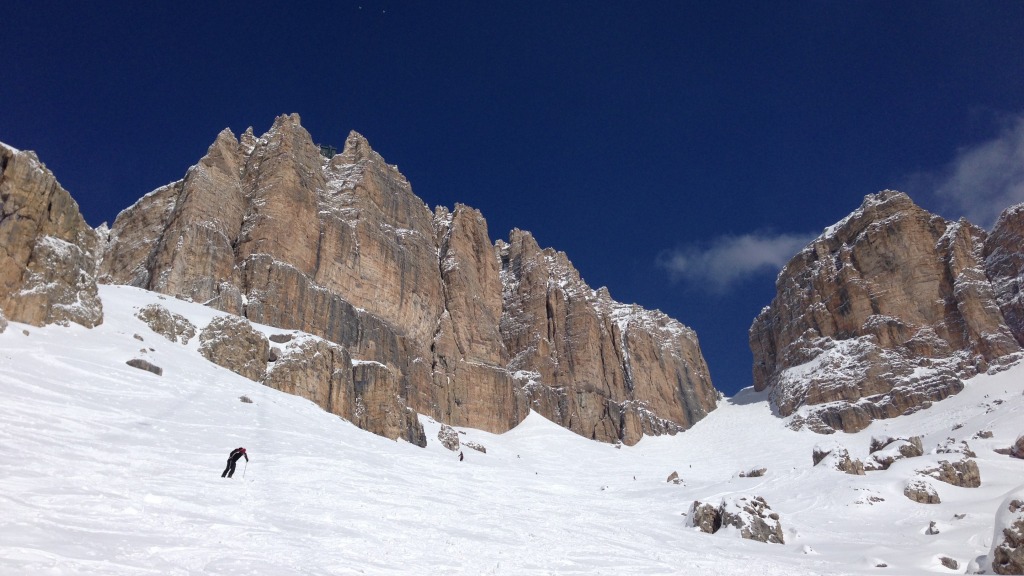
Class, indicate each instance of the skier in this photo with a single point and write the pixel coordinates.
(237, 453)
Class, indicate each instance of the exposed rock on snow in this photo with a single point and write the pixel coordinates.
(3, 322)
(47, 251)
(751, 518)
(1017, 450)
(920, 490)
(884, 313)
(231, 342)
(753, 473)
(882, 458)
(949, 563)
(838, 458)
(475, 446)
(1007, 553)
(963, 473)
(674, 478)
(145, 365)
(448, 437)
(174, 327)
(317, 370)
(951, 446)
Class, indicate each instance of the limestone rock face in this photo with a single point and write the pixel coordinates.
(318, 371)
(1004, 265)
(600, 368)
(471, 382)
(47, 250)
(174, 327)
(231, 342)
(3, 322)
(884, 313)
(429, 309)
(378, 405)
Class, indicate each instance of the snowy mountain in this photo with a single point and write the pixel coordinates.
(109, 469)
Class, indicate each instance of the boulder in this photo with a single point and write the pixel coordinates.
(145, 365)
(753, 473)
(231, 342)
(1017, 450)
(448, 437)
(705, 517)
(674, 478)
(898, 449)
(951, 446)
(838, 458)
(48, 252)
(749, 517)
(475, 446)
(949, 563)
(1007, 552)
(174, 327)
(920, 490)
(963, 473)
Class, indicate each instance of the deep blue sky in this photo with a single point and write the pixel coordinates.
(678, 152)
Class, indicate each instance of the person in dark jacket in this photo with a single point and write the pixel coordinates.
(237, 453)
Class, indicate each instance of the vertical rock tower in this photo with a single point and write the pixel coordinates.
(47, 251)
(474, 334)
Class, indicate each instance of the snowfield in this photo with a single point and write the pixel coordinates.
(107, 469)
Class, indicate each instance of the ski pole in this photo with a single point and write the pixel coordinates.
(244, 468)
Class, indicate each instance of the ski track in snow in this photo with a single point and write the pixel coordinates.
(106, 469)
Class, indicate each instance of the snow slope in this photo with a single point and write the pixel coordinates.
(106, 469)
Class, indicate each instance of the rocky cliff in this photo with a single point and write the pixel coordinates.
(469, 333)
(47, 251)
(885, 312)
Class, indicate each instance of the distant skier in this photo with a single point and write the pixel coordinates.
(460, 456)
(237, 453)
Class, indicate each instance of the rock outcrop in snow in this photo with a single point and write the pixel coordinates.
(463, 331)
(47, 251)
(884, 313)
(1007, 553)
(963, 473)
(174, 327)
(920, 490)
(751, 518)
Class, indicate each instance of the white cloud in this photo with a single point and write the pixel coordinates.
(718, 266)
(984, 179)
